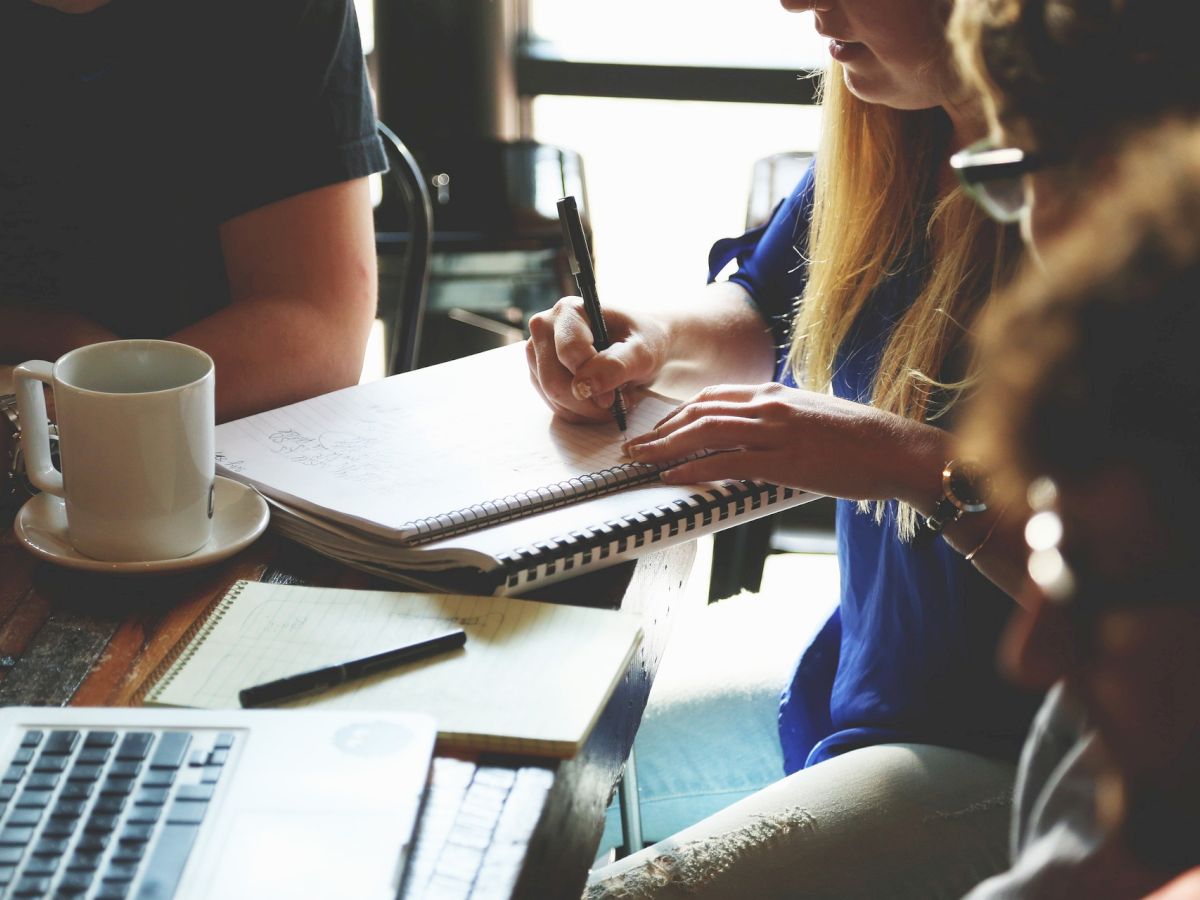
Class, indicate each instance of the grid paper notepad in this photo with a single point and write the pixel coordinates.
(532, 677)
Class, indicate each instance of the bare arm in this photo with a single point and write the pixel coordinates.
(303, 284)
(821, 443)
(27, 332)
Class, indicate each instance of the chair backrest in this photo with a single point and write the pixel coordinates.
(774, 178)
(402, 300)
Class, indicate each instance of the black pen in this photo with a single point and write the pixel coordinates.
(585, 279)
(294, 686)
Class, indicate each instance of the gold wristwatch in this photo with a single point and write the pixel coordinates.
(966, 488)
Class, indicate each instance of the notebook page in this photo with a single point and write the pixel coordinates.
(384, 454)
(531, 676)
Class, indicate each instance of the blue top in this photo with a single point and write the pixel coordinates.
(910, 654)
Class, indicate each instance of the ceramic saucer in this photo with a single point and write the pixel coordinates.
(239, 516)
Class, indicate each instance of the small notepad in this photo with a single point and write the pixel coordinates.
(532, 677)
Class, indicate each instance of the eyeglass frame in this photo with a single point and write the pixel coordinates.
(1062, 583)
(984, 162)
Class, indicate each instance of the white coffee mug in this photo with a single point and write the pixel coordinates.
(136, 446)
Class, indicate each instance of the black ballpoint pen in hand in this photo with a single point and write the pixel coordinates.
(323, 679)
(585, 279)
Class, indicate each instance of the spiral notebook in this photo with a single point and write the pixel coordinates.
(459, 477)
(532, 677)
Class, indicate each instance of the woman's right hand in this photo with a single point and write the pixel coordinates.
(574, 379)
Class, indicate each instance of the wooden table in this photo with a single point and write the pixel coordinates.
(78, 638)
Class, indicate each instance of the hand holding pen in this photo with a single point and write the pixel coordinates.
(585, 279)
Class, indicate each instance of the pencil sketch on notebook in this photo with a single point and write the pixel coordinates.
(403, 452)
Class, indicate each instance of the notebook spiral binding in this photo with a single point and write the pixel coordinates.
(164, 673)
(524, 503)
(649, 526)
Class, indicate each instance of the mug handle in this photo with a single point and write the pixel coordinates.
(35, 430)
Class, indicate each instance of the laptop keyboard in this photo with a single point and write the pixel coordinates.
(105, 814)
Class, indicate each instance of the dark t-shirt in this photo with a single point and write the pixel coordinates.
(910, 653)
(132, 132)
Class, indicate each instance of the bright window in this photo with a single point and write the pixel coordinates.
(667, 178)
(741, 33)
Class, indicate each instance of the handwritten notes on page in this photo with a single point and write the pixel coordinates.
(381, 455)
(532, 677)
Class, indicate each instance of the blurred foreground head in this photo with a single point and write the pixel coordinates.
(1090, 407)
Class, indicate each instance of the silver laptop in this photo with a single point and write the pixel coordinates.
(157, 803)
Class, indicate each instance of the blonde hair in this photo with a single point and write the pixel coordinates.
(877, 175)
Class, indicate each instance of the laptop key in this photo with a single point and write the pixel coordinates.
(93, 843)
(14, 774)
(136, 832)
(125, 768)
(83, 861)
(31, 739)
(68, 809)
(171, 750)
(100, 739)
(15, 836)
(113, 785)
(159, 778)
(49, 762)
(75, 882)
(59, 828)
(144, 815)
(167, 860)
(129, 851)
(36, 886)
(37, 799)
(135, 745)
(93, 755)
(28, 817)
(77, 790)
(84, 772)
(187, 812)
(195, 792)
(50, 847)
(99, 823)
(42, 865)
(119, 871)
(152, 796)
(61, 743)
(42, 781)
(10, 856)
(109, 805)
(113, 890)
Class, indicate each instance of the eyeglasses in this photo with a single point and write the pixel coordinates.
(1082, 592)
(993, 177)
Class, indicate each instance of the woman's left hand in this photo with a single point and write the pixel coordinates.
(798, 438)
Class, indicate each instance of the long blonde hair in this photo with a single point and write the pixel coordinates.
(877, 176)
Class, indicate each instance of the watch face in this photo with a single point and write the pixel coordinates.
(968, 486)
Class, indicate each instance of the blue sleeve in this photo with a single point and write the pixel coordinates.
(772, 259)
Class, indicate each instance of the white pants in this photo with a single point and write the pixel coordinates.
(894, 821)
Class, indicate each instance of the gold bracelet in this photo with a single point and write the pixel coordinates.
(987, 537)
